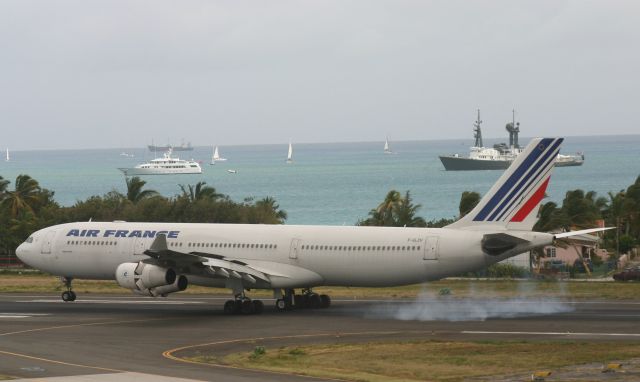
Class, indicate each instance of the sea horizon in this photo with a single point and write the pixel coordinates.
(328, 183)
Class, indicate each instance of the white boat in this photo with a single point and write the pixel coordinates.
(124, 154)
(387, 150)
(230, 171)
(164, 166)
(216, 156)
(290, 154)
(8, 158)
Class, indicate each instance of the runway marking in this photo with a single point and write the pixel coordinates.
(79, 325)
(60, 362)
(154, 302)
(72, 326)
(169, 353)
(554, 333)
(21, 315)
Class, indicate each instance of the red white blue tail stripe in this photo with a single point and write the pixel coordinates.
(519, 190)
(531, 172)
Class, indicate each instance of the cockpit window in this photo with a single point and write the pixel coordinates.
(29, 239)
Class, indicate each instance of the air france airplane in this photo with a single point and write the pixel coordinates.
(156, 259)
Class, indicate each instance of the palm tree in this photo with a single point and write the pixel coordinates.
(25, 196)
(270, 204)
(386, 209)
(395, 211)
(135, 192)
(199, 192)
(405, 213)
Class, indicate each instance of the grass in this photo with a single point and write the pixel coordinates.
(36, 282)
(427, 360)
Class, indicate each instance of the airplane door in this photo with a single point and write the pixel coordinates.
(431, 248)
(46, 243)
(295, 248)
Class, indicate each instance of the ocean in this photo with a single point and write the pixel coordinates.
(328, 183)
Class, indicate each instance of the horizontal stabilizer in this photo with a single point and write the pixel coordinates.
(581, 232)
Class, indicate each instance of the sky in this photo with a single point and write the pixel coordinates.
(101, 74)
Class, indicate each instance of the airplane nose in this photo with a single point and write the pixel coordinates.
(22, 253)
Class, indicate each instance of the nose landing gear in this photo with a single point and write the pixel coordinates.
(68, 295)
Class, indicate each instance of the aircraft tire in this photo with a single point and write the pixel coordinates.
(258, 306)
(314, 301)
(325, 301)
(230, 307)
(281, 305)
(246, 307)
(300, 301)
(66, 296)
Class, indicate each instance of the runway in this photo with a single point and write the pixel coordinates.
(139, 338)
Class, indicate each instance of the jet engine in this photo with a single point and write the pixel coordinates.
(179, 285)
(143, 277)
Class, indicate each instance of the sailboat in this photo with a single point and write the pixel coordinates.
(290, 154)
(8, 159)
(216, 156)
(387, 150)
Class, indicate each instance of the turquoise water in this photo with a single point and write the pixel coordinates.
(328, 183)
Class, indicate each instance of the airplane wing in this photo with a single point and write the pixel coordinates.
(251, 272)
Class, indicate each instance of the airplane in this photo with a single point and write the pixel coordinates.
(156, 259)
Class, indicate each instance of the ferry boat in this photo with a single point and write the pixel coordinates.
(164, 166)
(500, 156)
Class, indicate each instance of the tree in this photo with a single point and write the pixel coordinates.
(26, 196)
(271, 205)
(4, 184)
(632, 208)
(199, 192)
(395, 211)
(135, 192)
(468, 201)
(405, 213)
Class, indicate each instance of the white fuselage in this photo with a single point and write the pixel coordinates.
(347, 256)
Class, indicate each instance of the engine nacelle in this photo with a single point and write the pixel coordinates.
(180, 284)
(141, 276)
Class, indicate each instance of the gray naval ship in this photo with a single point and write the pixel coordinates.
(500, 156)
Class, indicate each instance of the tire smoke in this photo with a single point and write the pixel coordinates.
(430, 307)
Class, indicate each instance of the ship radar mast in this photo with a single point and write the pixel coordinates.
(477, 133)
(513, 128)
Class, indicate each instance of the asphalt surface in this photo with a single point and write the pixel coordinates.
(131, 337)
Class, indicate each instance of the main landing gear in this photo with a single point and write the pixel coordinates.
(289, 300)
(243, 305)
(68, 295)
(307, 300)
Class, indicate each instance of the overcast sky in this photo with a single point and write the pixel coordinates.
(88, 74)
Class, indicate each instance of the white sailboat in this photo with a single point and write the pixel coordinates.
(216, 156)
(387, 150)
(290, 154)
(8, 159)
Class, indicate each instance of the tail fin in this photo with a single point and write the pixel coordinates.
(512, 202)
